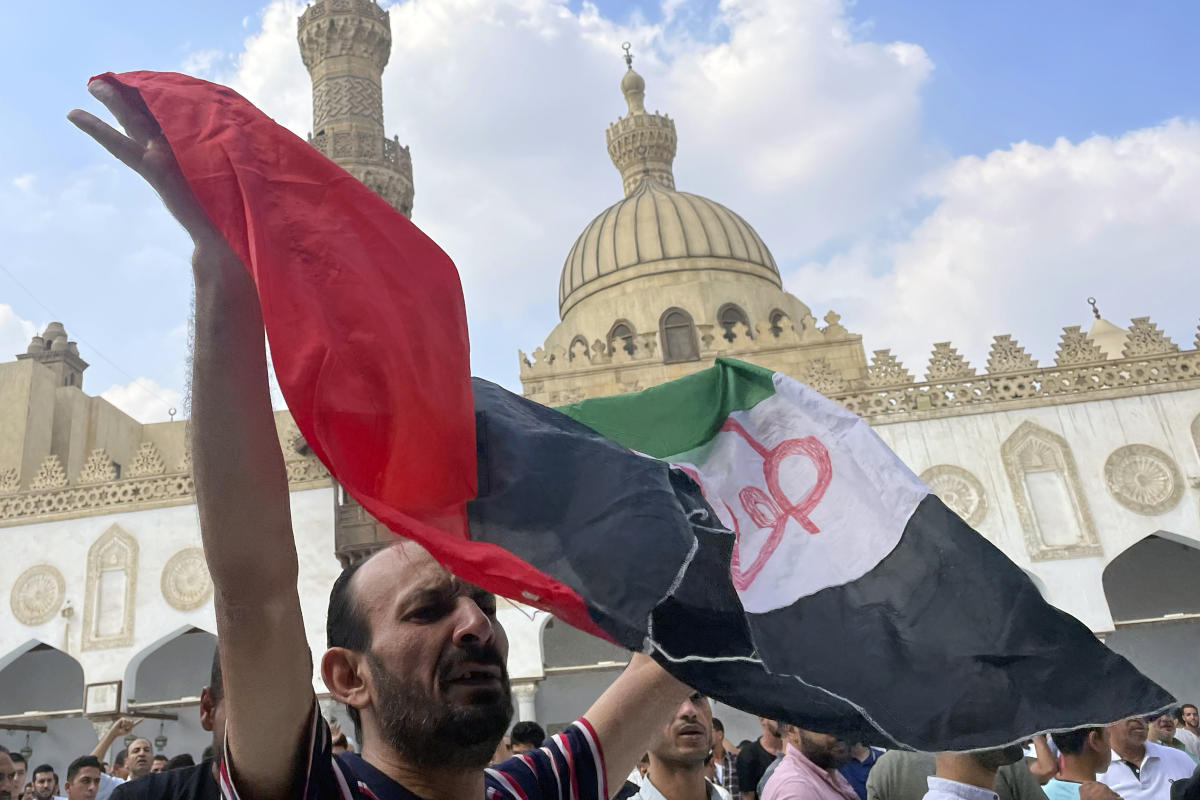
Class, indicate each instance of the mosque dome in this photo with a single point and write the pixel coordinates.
(656, 229)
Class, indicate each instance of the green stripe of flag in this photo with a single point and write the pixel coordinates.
(680, 415)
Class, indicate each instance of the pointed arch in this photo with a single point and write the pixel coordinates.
(729, 317)
(621, 335)
(579, 349)
(39, 677)
(111, 590)
(1054, 513)
(677, 332)
(174, 666)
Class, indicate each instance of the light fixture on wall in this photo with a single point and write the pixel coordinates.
(27, 751)
(160, 741)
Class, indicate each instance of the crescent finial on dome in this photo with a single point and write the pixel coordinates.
(633, 86)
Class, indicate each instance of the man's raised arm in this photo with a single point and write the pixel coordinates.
(241, 483)
(640, 701)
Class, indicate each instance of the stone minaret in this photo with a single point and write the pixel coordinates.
(345, 45)
(640, 143)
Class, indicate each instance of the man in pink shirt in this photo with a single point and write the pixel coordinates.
(809, 768)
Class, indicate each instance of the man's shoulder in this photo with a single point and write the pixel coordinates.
(190, 783)
(1172, 758)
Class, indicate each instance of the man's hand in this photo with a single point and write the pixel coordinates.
(146, 151)
(1095, 790)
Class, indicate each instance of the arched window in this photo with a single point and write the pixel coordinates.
(731, 317)
(621, 336)
(678, 336)
(777, 319)
(578, 349)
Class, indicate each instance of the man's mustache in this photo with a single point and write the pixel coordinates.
(482, 654)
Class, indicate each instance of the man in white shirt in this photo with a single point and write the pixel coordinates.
(1142, 770)
(120, 728)
(1188, 730)
(677, 756)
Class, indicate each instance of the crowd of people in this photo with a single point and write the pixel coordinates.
(418, 656)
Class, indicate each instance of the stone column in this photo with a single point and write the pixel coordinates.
(526, 696)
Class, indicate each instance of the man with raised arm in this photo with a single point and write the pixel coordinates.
(417, 654)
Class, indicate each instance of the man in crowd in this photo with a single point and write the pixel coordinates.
(197, 782)
(754, 757)
(724, 760)
(970, 776)
(45, 782)
(904, 775)
(22, 767)
(139, 759)
(83, 778)
(526, 735)
(1162, 731)
(808, 769)
(416, 654)
(119, 770)
(158, 764)
(858, 767)
(1085, 754)
(1186, 718)
(678, 755)
(1139, 769)
(9, 789)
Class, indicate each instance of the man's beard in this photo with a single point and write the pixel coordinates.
(437, 735)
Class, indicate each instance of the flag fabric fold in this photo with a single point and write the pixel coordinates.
(758, 538)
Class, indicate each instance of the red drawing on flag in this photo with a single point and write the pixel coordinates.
(774, 510)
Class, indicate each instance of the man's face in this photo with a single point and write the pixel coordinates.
(687, 739)
(43, 785)
(8, 771)
(85, 785)
(158, 765)
(19, 781)
(824, 749)
(140, 758)
(1191, 716)
(1128, 734)
(1164, 726)
(438, 677)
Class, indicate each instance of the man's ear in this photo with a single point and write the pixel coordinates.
(208, 709)
(345, 675)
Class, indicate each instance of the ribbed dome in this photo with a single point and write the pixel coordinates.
(658, 225)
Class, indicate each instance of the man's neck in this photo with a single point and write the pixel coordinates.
(1075, 769)
(430, 784)
(1133, 753)
(860, 752)
(1193, 728)
(678, 782)
(772, 744)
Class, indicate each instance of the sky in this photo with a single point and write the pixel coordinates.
(931, 171)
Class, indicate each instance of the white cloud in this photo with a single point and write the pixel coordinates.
(1020, 238)
(203, 63)
(24, 182)
(145, 400)
(15, 333)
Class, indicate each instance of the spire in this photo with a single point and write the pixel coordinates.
(641, 144)
(54, 349)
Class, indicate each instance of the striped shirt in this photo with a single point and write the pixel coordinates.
(568, 766)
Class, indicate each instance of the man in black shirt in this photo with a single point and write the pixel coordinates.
(188, 783)
(754, 758)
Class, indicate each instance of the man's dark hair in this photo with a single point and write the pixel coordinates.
(122, 754)
(180, 761)
(160, 757)
(345, 625)
(79, 763)
(527, 732)
(1071, 743)
(18, 757)
(40, 768)
(1178, 712)
(717, 725)
(216, 683)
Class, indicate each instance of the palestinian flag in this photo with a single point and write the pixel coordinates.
(761, 540)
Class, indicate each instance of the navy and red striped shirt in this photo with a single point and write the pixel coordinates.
(568, 766)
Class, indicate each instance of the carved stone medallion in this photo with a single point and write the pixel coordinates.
(186, 584)
(38, 594)
(959, 490)
(1143, 479)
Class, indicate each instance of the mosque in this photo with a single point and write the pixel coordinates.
(1085, 472)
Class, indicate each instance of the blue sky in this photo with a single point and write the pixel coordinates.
(935, 121)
